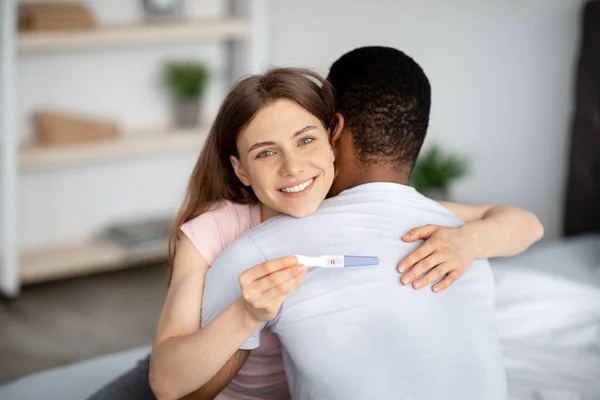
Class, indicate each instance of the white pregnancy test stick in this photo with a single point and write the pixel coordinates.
(335, 261)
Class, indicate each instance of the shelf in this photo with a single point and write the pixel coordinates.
(128, 145)
(124, 35)
(83, 258)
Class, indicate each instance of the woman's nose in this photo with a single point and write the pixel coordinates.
(291, 165)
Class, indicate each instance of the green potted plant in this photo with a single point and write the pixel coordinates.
(186, 82)
(435, 170)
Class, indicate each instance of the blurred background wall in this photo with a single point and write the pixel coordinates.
(501, 71)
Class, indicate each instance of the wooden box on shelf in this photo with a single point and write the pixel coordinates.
(60, 129)
(54, 16)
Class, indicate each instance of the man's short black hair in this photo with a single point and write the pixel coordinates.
(385, 98)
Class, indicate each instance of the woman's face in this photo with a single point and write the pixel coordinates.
(285, 156)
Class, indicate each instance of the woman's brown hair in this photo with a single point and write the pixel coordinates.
(213, 179)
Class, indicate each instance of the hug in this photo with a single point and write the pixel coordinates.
(300, 165)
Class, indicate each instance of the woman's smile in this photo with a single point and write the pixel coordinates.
(298, 189)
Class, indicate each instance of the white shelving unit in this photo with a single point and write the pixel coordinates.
(127, 145)
(89, 256)
(243, 31)
(134, 34)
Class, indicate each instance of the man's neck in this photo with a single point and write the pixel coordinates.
(382, 173)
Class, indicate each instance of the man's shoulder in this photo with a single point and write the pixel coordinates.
(284, 225)
(241, 254)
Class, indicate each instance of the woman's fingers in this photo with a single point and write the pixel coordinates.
(449, 280)
(266, 268)
(422, 267)
(280, 292)
(415, 256)
(433, 275)
(422, 232)
(276, 278)
(267, 303)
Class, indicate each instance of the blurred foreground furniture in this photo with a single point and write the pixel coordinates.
(241, 30)
(73, 382)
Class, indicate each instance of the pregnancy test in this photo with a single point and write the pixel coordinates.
(337, 261)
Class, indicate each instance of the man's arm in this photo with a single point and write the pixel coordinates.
(213, 387)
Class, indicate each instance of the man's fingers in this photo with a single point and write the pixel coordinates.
(276, 278)
(415, 256)
(266, 268)
(422, 267)
(449, 280)
(433, 275)
(422, 232)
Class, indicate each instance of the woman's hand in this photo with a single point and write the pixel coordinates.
(266, 286)
(446, 251)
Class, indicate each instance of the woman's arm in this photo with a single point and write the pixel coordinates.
(185, 357)
(499, 230)
(490, 231)
(264, 288)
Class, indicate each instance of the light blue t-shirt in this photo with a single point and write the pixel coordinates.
(357, 333)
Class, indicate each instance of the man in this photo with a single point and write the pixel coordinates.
(356, 333)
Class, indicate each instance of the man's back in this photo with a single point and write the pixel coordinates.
(356, 333)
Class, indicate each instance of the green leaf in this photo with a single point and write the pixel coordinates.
(435, 169)
(186, 80)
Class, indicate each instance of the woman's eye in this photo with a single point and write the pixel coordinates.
(264, 154)
(306, 140)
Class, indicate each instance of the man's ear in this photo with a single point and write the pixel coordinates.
(239, 170)
(337, 130)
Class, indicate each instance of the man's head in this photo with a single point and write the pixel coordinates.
(384, 99)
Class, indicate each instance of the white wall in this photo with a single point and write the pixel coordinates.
(501, 72)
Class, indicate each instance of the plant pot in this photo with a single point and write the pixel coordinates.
(163, 10)
(436, 193)
(186, 113)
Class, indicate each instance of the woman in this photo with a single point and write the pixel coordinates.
(267, 127)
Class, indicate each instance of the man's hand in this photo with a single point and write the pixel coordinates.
(446, 251)
(265, 286)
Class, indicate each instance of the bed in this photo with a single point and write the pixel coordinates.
(548, 319)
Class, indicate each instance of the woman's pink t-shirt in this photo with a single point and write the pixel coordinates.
(263, 375)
